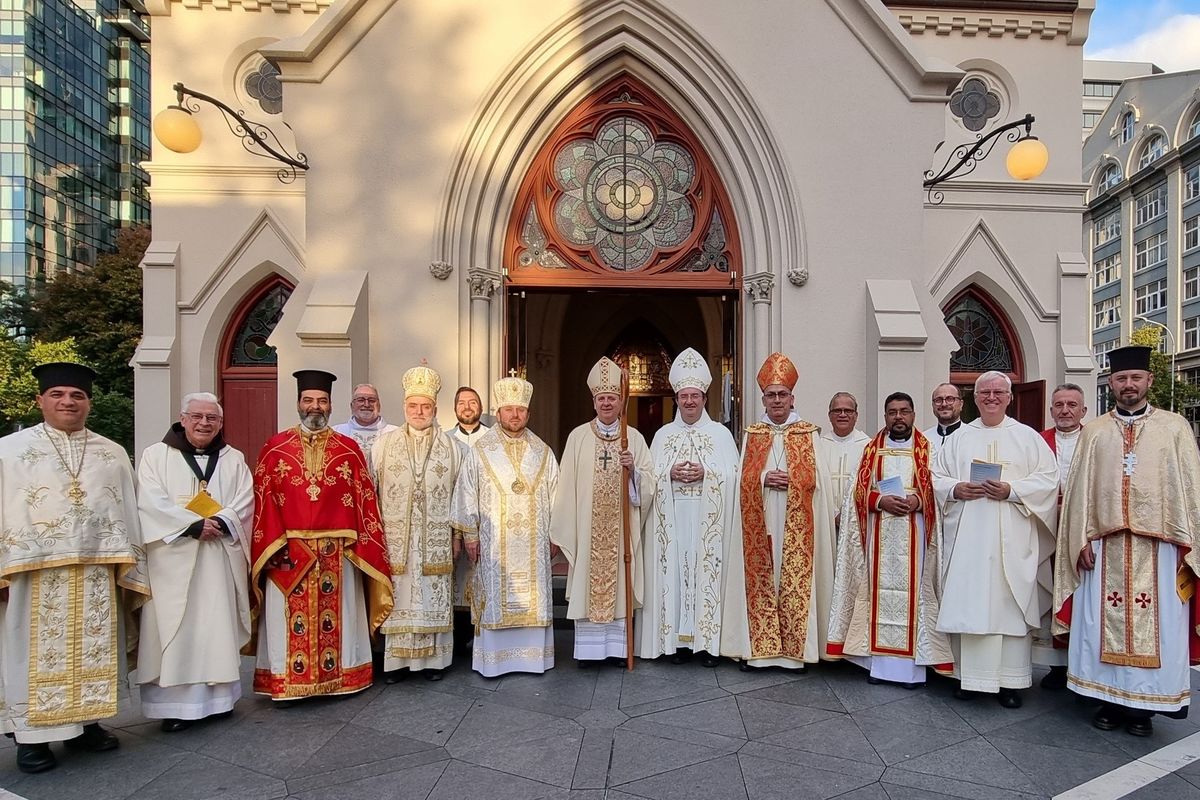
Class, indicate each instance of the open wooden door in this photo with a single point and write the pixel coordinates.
(1029, 404)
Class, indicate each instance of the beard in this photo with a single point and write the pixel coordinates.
(314, 421)
(469, 417)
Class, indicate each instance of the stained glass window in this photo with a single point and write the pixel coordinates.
(250, 348)
(982, 345)
(974, 103)
(263, 85)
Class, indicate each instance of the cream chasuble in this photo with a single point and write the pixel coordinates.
(70, 537)
(1132, 498)
(689, 532)
(415, 475)
(198, 618)
(463, 568)
(502, 499)
(992, 550)
(842, 455)
(586, 522)
(792, 560)
(365, 435)
(886, 586)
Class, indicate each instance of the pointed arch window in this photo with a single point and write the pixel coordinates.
(248, 345)
(622, 192)
(985, 339)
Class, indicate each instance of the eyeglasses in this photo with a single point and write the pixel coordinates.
(366, 401)
(204, 417)
(777, 395)
(993, 393)
(842, 412)
(945, 401)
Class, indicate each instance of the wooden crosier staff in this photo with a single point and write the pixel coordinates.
(626, 535)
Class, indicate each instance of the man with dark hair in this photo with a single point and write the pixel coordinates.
(844, 444)
(468, 410)
(886, 580)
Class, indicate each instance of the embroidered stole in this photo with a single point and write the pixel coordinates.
(606, 525)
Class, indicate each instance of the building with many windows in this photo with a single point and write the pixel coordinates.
(1102, 80)
(1142, 227)
(74, 127)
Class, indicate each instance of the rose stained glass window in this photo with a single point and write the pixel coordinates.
(974, 103)
(250, 348)
(982, 345)
(264, 87)
(624, 193)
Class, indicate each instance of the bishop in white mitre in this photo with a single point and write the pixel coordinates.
(995, 529)
(587, 520)
(71, 543)
(501, 506)
(415, 470)
(844, 445)
(692, 524)
(196, 502)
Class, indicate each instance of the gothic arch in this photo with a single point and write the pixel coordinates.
(986, 337)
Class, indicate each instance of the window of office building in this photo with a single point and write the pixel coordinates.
(1194, 128)
(1100, 88)
(1109, 178)
(1126, 131)
(1191, 333)
(1106, 312)
(1153, 150)
(1150, 205)
(1090, 118)
(1108, 227)
(1191, 283)
(1191, 183)
(1150, 252)
(1191, 233)
(1101, 350)
(1107, 270)
(1150, 298)
(1103, 396)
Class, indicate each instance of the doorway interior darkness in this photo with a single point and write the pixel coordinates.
(554, 337)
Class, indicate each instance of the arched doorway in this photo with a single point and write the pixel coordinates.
(249, 380)
(987, 341)
(621, 219)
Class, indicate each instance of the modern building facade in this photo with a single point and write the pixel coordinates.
(1142, 227)
(1101, 80)
(74, 129)
(530, 185)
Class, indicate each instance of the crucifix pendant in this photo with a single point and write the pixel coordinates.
(604, 459)
(1130, 462)
(314, 491)
(76, 493)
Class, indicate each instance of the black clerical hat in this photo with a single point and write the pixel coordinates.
(314, 379)
(1134, 356)
(64, 373)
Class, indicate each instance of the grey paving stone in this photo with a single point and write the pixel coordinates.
(607, 692)
(417, 713)
(462, 781)
(693, 672)
(636, 756)
(897, 792)
(354, 745)
(804, 758)
(410, 784)
(1166, 731)
(1169, 787)
(675, 701)
(809, 691)
(721, 777)
(767, 779)
(719, 716)
(546, 754)
(1056, 769)
(838, 736)
(722, 744)
(1071, 729)
(896, 741)
(923, 785)
(872, 791)
(491, 722)
(566, 687)
(344, 775)
(601, 718)
(855, 694)
(639, 688)
(591, 768)
(733, 680)
(197, 777)
(920, 708)
(765, 717)
(985, 714)
(267, 744)
(973, 761)
(196, 738)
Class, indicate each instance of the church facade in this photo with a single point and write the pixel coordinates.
(524, 187)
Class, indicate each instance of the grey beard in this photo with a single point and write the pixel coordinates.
(316, 421)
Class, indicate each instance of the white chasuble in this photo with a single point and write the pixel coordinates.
(887, 586)
(842, 454)
(366, 436)
(70, 539)
(586, 523)
(198, 617)
(992, 550)
(689, 532)
(502, 500)
(415, 475)
(1132, 498)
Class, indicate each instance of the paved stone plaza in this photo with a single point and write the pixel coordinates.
(661, 732)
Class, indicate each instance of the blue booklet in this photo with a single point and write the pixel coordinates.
(985, 471)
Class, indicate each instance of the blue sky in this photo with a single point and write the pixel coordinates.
(1164, 31)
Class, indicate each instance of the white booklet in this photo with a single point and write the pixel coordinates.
(985, 471)
(891, 485)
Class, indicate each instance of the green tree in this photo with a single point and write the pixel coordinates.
(1160, 365)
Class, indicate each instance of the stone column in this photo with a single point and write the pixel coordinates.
(483, 284)
(759, 288)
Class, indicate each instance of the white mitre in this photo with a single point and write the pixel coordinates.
(512, 392)
(605, 377)
(421, 382)
(689, 370)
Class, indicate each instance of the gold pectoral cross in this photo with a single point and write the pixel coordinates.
(76, 493)
(314, 491)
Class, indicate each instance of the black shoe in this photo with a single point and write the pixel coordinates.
(94, 739)
(800, 670)
(287, 702)
(223, 715)
(964, 694)
(175, 725)
(1055, 679)
(744, 666)
(1139, 725)
(871, 679)
(583, 663)
(911, 686)
(35, 758)
(710, 660)
(433, 674)
(394, 676)
(1009, 698)
(681, 657)
(1108, 717)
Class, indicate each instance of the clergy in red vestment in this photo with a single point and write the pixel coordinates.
(317, 547)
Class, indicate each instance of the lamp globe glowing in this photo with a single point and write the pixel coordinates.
(177, 130)
(1027, 159)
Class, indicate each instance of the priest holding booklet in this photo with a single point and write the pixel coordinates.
(996, 482)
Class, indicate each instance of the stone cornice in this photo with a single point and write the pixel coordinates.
(162, 8)
(1020, 22)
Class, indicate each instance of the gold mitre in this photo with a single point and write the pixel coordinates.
(512, 392)
(605, 377)
(421, 382)
(689, 370)
(778, 369)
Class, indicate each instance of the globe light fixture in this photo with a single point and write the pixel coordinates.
(176, 130)
(1025, 161)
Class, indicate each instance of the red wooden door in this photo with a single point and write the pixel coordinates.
(1029, 404)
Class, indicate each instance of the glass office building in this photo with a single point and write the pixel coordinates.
(74, 128)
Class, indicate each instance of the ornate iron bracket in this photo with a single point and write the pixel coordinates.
(964, 158)
(253, 134)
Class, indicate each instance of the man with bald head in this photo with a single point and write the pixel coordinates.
(844, 444)
(947, 409)
(366, 423)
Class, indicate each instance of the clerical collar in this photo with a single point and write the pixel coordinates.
(905, 440)
(843, 439)
(466, 432)
(1068, 434)
(946, 430)
(419, 434)
(1123, 413)
(377, 425)
(47, 427)
(311, 432)
(176, 438)
(610, 429)
(791, 418)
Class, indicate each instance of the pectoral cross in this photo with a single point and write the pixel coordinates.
(1130, 463)
(605, 457)
(76, 493)
(512, 373)
(994, 456)
(841, 476)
